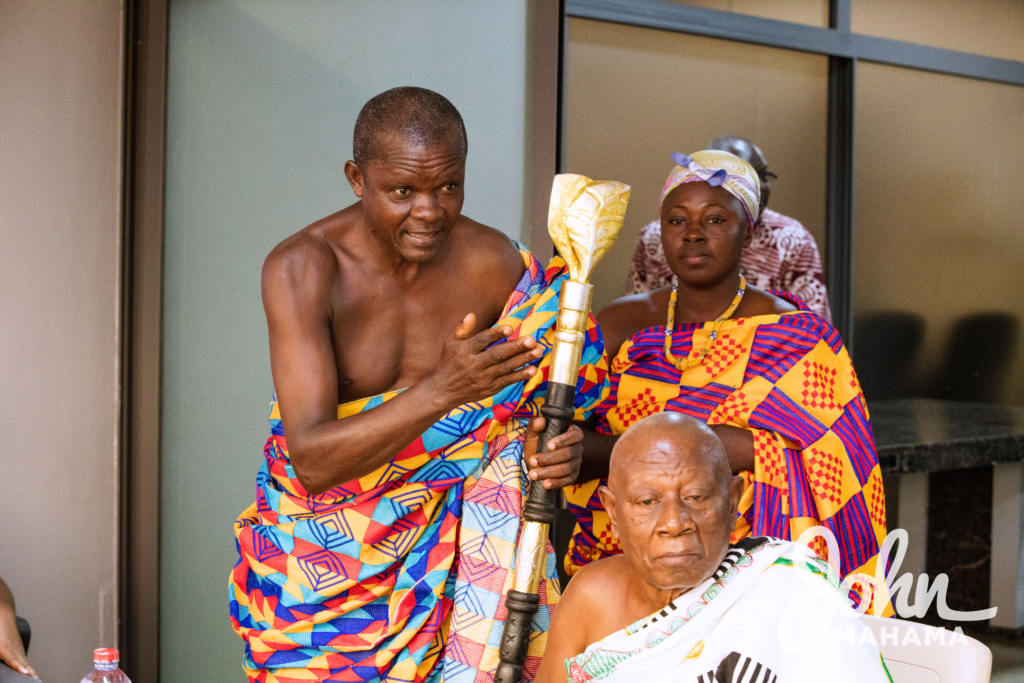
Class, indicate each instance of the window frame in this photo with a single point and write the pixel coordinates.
(844, 50)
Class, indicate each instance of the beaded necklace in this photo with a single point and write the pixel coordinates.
(687, 363)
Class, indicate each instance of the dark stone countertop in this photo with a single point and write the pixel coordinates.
(924, 435)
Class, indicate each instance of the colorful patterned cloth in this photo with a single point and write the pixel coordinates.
(717, 168)
(782, 255)
(788, 379)
(400, 575)
(771, 612)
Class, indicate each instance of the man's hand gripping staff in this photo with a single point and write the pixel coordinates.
(584, 219)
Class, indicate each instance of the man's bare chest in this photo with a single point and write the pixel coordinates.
(393, 340)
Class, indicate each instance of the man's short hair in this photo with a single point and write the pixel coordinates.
(415, 114)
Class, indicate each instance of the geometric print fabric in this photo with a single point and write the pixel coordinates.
(400, 575)
(789, 380)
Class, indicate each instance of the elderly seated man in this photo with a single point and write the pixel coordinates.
(681, 603)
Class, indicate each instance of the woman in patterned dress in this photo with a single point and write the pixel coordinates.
(768, 375)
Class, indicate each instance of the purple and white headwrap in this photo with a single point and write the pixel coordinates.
(717, 168)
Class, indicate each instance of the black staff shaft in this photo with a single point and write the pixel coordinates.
(558, 412)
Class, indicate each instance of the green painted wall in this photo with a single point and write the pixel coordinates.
(262, 97)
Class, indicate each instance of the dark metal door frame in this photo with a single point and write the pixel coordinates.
(142, 234)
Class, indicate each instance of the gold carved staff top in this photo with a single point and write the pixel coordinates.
(584, 219)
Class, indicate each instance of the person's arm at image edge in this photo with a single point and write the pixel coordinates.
(11, 650)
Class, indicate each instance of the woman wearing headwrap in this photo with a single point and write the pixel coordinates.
(771, 378)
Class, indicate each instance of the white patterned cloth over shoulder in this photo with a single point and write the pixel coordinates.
(771, 613)
(782, 256)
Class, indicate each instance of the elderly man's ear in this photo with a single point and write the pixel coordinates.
(355, 178)
(735, 493)
(608, 501)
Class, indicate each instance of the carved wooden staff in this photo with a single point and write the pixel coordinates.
(584, 219)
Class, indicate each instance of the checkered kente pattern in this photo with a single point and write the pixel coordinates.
(786, 378)
(401, 574)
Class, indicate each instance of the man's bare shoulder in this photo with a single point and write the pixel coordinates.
(594, 588)
(590, 609)
(306, 260)
(484, 252)
(486, 243)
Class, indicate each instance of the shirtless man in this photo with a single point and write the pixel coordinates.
(697, 608)
(397, 291)
(348, 558)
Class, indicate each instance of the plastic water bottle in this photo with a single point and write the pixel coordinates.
(105, 671)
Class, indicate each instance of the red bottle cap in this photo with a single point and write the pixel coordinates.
(105, 655)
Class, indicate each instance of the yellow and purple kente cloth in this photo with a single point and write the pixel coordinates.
(400, 575)
(789, 380)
